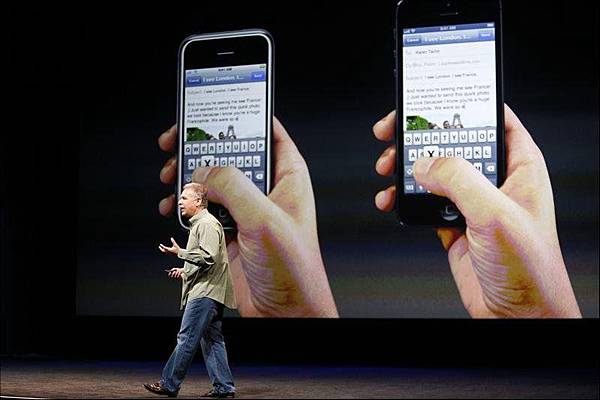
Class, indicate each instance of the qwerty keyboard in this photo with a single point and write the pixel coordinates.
(477, 145)
(248, 155)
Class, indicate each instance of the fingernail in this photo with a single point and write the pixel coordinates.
(201, 174)
(162, 207)
(423, 165)
(378, 165)
(382, 120)
(167, 205)
(161, 137)
(379, 198)
(387, 117)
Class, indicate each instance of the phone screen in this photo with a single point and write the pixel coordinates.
(449, 97)
(225, 120)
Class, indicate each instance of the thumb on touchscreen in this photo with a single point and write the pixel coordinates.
(229, 187)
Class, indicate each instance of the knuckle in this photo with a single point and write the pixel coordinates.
(223, 175)
(298, 165)
(226, 178)
(450, 171)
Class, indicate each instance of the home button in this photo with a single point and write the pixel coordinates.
(450, 213)
(223, 214)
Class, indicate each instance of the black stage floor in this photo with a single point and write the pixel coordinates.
(123, 379)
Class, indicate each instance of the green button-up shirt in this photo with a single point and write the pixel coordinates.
(206, 270)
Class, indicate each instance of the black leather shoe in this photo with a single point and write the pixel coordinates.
(218, 395)
(156, 388)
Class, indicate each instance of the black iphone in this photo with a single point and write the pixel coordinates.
(225, 108)
(449, 98)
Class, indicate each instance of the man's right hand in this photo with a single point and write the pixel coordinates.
(176, 273)
(275, 259)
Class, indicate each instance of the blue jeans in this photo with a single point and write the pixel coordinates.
(201, 323)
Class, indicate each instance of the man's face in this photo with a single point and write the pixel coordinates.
(189, 203)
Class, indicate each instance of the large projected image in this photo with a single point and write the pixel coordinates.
(326, 241)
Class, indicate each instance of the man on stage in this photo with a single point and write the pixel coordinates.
(207, 288)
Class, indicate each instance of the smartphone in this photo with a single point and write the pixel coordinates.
(449, 98)
(225, 109)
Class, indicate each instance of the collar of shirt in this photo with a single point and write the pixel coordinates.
(198, 216)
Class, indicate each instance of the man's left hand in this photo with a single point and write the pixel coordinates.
(173, 250)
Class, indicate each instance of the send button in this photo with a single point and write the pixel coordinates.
(258, 76)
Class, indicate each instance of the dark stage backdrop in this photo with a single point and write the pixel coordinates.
(90, 91)
(334, 80)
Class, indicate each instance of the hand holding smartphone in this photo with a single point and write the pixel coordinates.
(225, 108)
(449, 98)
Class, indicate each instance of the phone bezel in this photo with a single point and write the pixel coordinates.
(426, 209)
(246, 47)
